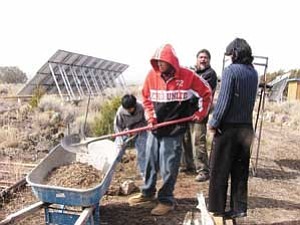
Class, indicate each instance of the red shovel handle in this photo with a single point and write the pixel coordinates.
(156, 126)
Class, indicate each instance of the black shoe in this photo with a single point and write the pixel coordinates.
(233, 214)
(186, 170)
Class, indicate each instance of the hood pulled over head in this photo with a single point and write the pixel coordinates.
(167, 54)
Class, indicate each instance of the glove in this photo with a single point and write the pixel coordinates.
(128, 135)
(119, 141)
(198, 117)
(152, 121)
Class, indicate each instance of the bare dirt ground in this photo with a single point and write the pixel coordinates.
(274, 190)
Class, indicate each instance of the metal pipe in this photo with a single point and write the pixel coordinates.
(262, 116)
(68, 82)
(78, 80)
(65, 83)
(56, 83)
(84, 216)
(83, 74)
(21, 214)
(95, 81)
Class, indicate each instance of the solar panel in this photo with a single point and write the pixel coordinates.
(73, 75)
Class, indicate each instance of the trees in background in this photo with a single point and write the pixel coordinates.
(295, 73)
(12, 74)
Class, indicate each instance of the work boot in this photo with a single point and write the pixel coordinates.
(140, 198)
(217, 218)
(162, 209)
(202, 176)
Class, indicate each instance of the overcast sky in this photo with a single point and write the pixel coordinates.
(129, 31)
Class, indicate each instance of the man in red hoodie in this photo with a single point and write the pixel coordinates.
(166, 93)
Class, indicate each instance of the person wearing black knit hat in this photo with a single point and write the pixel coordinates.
(232, 126)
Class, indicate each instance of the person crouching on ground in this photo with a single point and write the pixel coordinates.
(166, 93)
(131, 115)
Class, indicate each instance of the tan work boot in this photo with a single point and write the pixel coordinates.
(140, 198)
(162, 209)
(217, 218)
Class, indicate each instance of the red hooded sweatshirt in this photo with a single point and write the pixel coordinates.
(169, 100)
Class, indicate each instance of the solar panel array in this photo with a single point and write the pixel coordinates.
(73, 75)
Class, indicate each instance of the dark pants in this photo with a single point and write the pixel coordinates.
(230, 156)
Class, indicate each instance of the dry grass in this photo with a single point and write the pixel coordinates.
(41, 120)
(95, 104)
(11, 89)
(9, 137)
(50, 103)
(283, 114)
(288, 107)
(79, 123)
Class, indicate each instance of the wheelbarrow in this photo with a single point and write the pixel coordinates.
(54, 199)
(86, 199)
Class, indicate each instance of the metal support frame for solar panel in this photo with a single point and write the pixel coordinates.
(73, 76)
(259, 62)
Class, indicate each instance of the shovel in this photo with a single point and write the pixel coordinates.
(76, 143)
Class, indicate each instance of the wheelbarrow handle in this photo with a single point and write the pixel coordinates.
(156, 126)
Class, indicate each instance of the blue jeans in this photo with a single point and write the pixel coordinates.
(162, 155)
(140, 143)
(140, 146)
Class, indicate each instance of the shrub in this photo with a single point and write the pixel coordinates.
(37, 95)
(103, 123)
(51, 103)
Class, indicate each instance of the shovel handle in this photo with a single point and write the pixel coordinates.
(126, 132)
(156, 126)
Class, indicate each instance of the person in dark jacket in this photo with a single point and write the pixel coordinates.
(194, 143)
(166, 93)
(131, 115)
(233, 132)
